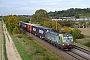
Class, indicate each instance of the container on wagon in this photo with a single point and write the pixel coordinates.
(22, 25)
(41, 31)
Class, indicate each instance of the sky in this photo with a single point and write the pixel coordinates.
(28, 7)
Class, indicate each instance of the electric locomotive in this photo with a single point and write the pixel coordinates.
(61, 40)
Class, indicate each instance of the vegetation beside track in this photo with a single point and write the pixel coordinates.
(36, 50)
(88, 26)
(3, 41)
(85, 42)
(4, 47)
(20, 49)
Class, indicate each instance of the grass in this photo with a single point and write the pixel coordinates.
(0, 19)
(88, 26)
(4, 47)
(36, 50)
(85, 42)
(82, 46)
(20, 49)
(58, 57)
(4, 43)
(86, 36)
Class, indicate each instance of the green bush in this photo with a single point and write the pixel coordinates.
(76, 33)
(89, 23)
(87, 44)
(0, 19)
(16, 30)
(68, 23)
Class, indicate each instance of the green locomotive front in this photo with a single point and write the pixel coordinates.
(61, 40)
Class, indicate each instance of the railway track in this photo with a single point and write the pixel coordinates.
(81, 52)
(82, 49)
(78, 57)
(77, 53)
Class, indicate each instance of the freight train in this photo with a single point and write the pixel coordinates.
(59, 39)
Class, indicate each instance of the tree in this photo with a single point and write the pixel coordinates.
(67, 29)
(25, 19)
(40, 16)
(34, 18)
(76, 16)
(5, 18)
(68, 23)
(47, 24)
(16, 30)
(76, 33)
(12, 22)
(71, 12)
(58, 26)
(54, 25)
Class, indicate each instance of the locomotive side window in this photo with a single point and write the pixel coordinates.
(60, 38)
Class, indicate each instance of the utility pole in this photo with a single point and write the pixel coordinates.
(56, 24)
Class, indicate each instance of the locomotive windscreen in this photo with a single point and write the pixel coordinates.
(68, 38)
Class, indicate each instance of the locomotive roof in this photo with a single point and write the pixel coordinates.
(65, 35)
(54, 33)
(57, 33)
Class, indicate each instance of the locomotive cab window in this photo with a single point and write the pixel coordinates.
(67, 39)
